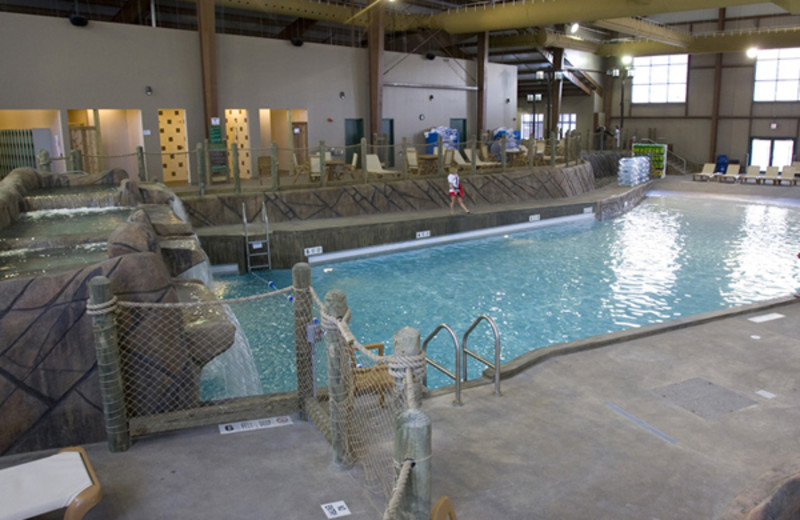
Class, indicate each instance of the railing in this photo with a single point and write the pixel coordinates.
(439, 367)
(466, 352)
(672, 155)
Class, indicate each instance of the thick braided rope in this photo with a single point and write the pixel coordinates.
(102, 308)
(200, 304)
(399, 489)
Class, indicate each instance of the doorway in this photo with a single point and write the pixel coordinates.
(353, 133)
(460, 124)
(771, 151)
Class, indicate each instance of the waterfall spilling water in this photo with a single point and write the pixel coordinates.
(105, 198)
(177, 208)
(233, 373)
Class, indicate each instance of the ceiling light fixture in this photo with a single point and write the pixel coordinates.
(574, 28)
(626, 59)
(752, 52)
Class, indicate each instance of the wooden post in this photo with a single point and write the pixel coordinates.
(301, 282)
(413, 438)
(237, 184)
(553, 145)
(566, 149)
(531, 150)
(273, 166)
(364, 159)
(207, 161)
(108, 367)
(340, 398)
(473, 155)
(323, 172)
(503, 156)
(440, 153)
(201, 168)
(404, 154)
(76, 160)
(140, 164)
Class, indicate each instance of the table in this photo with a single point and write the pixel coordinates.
(515, 157)
(335, 169)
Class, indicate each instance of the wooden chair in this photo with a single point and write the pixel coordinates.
(443, 510)
(374, 167)
(411, 161)
(706, 173)
(373, 378)
(300, 168)
(753, 172)
(478, 161)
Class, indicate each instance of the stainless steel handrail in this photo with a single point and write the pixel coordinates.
(439, 367)
(465, 351)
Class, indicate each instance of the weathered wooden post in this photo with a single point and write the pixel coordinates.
(531, 150)
(553, 147)
(323, 172)
(404, 155)
(201, 168)
(503, 156)
(207, 163)
(412, 435)
(339, 377)
(301, 282)
(273, 166)
(473, 155)
(440, 153)
(77, 160)
(566, 149)
(363, 159)
(43, 160)
(101, 299)
(237, 183)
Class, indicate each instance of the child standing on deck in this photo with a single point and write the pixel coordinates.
(456, 190)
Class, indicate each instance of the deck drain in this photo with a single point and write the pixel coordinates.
(703, 398)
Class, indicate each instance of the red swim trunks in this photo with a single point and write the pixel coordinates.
(461, 193)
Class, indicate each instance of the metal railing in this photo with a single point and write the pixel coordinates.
(466, 352)
(437, 366)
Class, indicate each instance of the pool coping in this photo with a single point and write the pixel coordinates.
(542, 354)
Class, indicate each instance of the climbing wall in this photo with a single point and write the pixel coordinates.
(174, 157)
(237, 131)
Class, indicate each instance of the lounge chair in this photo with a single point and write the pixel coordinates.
(300, 168)
(771, 175)
(731, 173)
(478, 162)
(787, 174)
(459, 161)
(706, 173)
(411, 161)
(64, 480)
(754, 173)
(374, 167)
(314, 172)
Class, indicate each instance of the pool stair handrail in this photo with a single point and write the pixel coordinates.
(462, 352)
(253, 248)
(466, 352)
(434, 364)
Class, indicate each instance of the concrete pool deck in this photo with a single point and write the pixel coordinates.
(696, 421)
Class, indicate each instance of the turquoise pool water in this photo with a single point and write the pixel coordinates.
(671, 256)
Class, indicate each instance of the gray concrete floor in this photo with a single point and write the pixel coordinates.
(668, 425)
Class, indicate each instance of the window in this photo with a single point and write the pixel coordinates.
(660, 79)
(567, 123)
(777, 75)
(771, 152)
(525, 126)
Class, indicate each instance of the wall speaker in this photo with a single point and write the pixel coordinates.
(431, 56)
(78, 20)
(297, 42)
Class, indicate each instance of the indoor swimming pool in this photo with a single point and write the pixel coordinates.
(671, 256)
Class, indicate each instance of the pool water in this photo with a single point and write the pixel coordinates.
(672, 256)
(58, 223)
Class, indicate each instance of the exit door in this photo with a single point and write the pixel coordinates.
(353, 132)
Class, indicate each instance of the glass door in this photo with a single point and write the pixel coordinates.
(771, 152)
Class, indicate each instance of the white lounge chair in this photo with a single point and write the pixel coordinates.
(411, 161)
(732, 172)
(374, 167)
(64, 480)
(478, 162)
(706, 173)
(772, 175)
(753, 173)
(787, 174)
(314, 172)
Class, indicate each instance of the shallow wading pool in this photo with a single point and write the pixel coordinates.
(672, 256)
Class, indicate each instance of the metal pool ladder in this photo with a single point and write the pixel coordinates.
(256, 248)
(461, 353)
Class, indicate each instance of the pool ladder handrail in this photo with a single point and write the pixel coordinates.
(248, 243)
(440, 368)
(466, 352)
(461, 356)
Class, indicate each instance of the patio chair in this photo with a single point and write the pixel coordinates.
(64, 480)
(706, 173)
(754, 173)
(443, 510)
(315, 168)
(459, 161)
(732, 172)
(300, 168)
(375, 378)
(374, 167)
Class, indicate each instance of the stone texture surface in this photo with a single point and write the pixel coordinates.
(165, 222)
(375, 198)
(132, 237)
